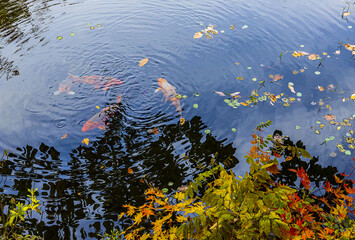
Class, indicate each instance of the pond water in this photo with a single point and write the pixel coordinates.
(82, 187)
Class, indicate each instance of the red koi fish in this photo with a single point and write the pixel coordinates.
(97, 81)
(101, 119)
(169, 93)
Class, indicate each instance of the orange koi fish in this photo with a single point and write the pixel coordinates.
(169, 93)
(97, 81)
(100, 120)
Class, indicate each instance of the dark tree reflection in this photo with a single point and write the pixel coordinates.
(84, 195)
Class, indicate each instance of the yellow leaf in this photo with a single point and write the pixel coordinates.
(86, 141)
(353, 96)
(64, 136)
(244, 104)
(143, 62)
(320, 88)
(182, 121)
(198, 35)
(346, 13)
(97, 107)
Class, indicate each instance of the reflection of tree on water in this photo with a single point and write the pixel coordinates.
(21, 22)
(95, 183)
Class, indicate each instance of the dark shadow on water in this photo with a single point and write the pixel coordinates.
(86, 194)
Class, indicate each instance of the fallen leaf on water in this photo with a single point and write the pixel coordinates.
(244, 104)
(240, 78)
(337, 52)
(245, 26)
(346, 13)
(353, 96)
(92, 28)
(220, 93)
(130, 171)
(237, 63)
(198, 35)
(143, 62)
(235, 94)
(195, 105)
(301, 70)
(155, 131)
(277, 77)
(329, 117)
(232, 27)
(320, 88)
(97, 107)
(182, 121)
(290, 86)
(312, 57)
(59, 37)
(86, 141)
(325, 54)
(64, 136)
(295, 72)
(317, 72)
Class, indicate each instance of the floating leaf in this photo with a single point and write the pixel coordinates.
(235, 94)
(232, 27)
(182, 121)
(222, 31)
(337, 52)
(320, 88)
(184, 96)
(207, 131)
(97, 107)
(331, 137)
(346, 13)
(178, 96)
(299, 94)
(59, 37)
(195, 105)
(86, 141)
(198, 35)
(155, 131)
(298, 127)
(197, 94)
(350, 26)
(249, 68)
(301, 45)
(329, 117)
(234, 129)
(240, 78)
(130, 171)
(301, 70)
(318, 122)
(347, 152)
(333, 154)
(170, 184)
(317, 72)
(237, 63)
(64, 136)
(312, 57)
(165, 190)
(99, 25)
(322, 125)
(325, 54)
(277, 77)
(72, 34)
(352, 96)
(92, 27)
(254, 79)
(317, 131)
(295, 72)
(245, 26)
(143, 62)
(220, 93)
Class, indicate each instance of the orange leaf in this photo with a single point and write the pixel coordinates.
(155, 131)
(312, 57)
(329, 117)
(143, 62)
(182, 121)
(130, 171)
(64, 136)
(277, 77)
(198, 35)
(288, 158)
(320, 88)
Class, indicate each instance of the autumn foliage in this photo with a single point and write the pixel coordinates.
(220, 205)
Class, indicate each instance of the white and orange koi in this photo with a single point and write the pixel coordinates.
(97, 81)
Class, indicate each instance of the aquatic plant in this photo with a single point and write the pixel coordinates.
(220, 205)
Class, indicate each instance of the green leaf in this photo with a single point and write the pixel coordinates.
(195, 105)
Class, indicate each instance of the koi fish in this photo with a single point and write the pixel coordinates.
(169, 93)
(97, 81)
(101, 119)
